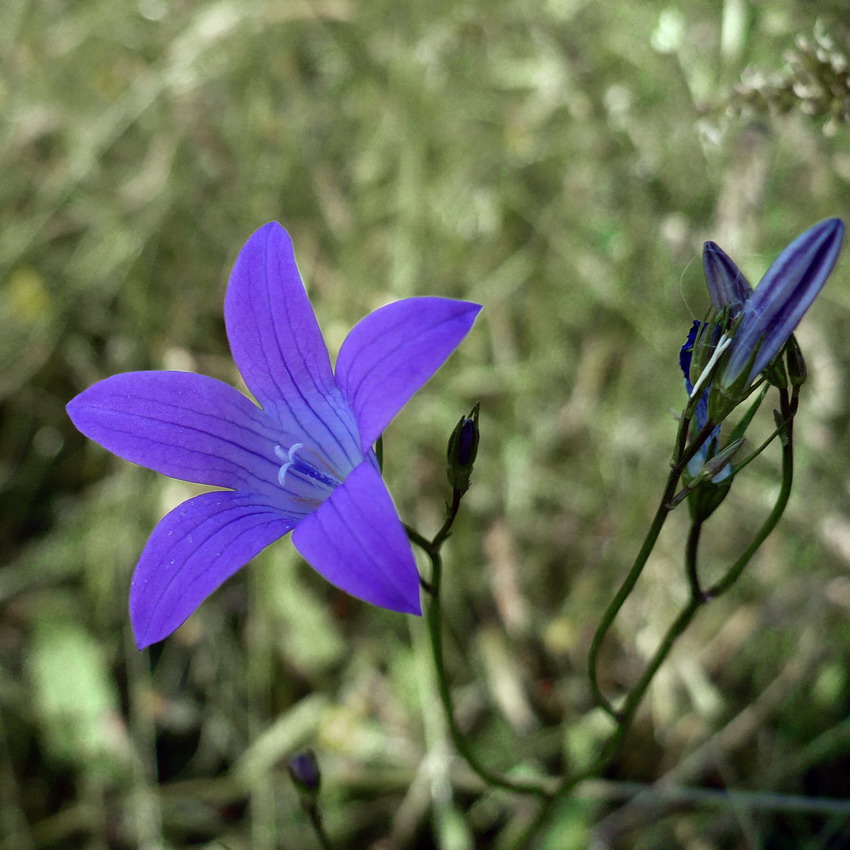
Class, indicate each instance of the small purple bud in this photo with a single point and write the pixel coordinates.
(466, 442)
(303, 767)
(727, 286)
(462, 450)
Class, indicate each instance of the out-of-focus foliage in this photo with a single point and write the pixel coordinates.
(559, 161)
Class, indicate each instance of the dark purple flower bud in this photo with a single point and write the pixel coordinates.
(780, 300)
(303, 767)
(467, 438)
(462, 450)
(727, 286)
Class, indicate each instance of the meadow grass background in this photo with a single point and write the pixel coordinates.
(558, 161)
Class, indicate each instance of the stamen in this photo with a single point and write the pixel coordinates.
(306, 472)
(332, 471)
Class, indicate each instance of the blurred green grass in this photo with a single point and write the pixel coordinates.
(561, 163)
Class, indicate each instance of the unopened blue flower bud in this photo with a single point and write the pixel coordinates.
(782, 297)
(727, 286)
(303, 767)
(462, 451)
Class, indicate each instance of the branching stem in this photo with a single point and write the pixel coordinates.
(682, 456)
(434, 619)
(626, 714)
(550, 795)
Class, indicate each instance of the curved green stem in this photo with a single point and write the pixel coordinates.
(434, 619)
(788, 409)
(435, 634)
(319, 827)
(625, 717)
(691, 550)
(698, 599)
(680, 460)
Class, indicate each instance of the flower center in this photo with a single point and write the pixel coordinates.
(306, 476)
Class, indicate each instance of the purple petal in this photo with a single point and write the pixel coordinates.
(191, 552)
(357, 542)
(180, 424)
(278, 347)
(686, 353)
(727, 285)
(391, 353)
(782, 297)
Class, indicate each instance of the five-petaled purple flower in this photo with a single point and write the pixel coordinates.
(301, 462)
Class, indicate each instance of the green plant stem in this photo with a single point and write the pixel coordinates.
(434, 619)
(691, 552)
(549, 797)
(681, 458)
(788, 407)
(435, 634)
(625, 716)
(318, 827)
(739, 465)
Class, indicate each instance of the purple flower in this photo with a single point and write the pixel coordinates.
(770, 315)
(301, 462)
(304, 769)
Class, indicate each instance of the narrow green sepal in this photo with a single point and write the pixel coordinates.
(797, 372)
(706, 498)
(723, 399)
(741, 428)
(776, 375)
